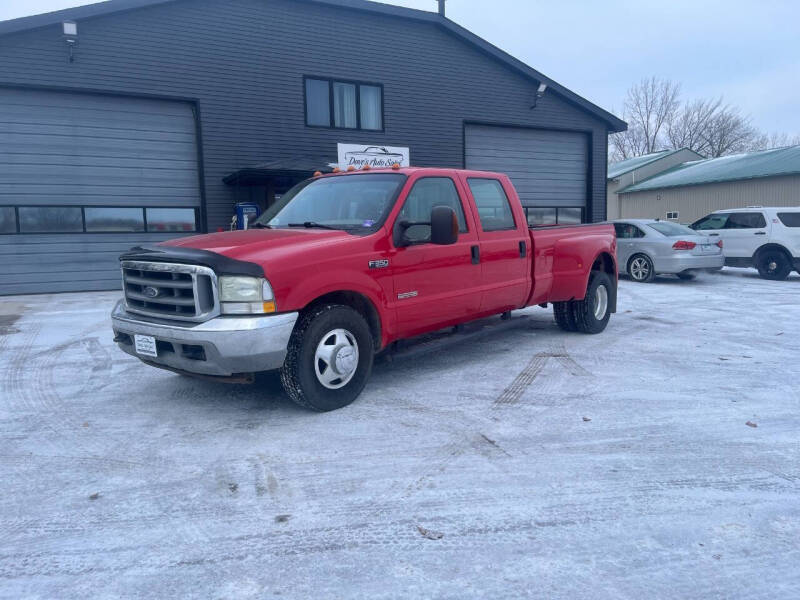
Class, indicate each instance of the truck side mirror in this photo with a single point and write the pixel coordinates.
(444, 226)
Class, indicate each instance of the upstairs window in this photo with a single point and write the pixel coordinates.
(343, 104)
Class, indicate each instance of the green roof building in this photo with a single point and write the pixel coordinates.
(690, 189)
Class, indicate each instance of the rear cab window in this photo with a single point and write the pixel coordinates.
(494, 208)
(790, 219)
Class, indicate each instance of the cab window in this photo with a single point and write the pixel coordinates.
(426, 194)
(494, 211)
(626, 231)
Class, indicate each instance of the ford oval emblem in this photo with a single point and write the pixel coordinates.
(150, 291)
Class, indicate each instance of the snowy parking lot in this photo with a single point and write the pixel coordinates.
(658, 459)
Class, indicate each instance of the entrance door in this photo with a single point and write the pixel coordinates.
(435, 286)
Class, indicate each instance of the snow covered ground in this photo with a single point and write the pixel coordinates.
(509, 460)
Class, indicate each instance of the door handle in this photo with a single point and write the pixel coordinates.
(476, 254)
(713, 235)
(760, 233)
(523, 249)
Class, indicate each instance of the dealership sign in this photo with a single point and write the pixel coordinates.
(358, 155)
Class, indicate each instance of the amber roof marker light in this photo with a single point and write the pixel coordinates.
(396, 166)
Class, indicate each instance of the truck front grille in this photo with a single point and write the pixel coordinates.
(170, 290)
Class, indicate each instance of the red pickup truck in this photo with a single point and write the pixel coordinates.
(343, 265)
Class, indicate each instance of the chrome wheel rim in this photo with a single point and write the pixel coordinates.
(336, 359)
(600, 302)
(640, 268)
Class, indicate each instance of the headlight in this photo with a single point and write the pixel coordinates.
(245, 295)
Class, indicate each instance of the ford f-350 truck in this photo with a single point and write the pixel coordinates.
(347, 263)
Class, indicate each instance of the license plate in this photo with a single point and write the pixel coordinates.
(145, 344)
(708, 249)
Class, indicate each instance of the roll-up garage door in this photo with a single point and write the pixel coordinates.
(548, 167)
(84, 177)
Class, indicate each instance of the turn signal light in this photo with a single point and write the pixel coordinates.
(719, 243)
(683, 245)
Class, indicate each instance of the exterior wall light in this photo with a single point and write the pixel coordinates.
(70, 34)
(539, 93)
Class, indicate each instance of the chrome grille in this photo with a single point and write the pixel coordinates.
(170, 290)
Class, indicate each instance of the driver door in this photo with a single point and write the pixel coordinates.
(434, 286)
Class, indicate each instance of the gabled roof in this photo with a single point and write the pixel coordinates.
(630, 164)
(113, 6)
(752, 165)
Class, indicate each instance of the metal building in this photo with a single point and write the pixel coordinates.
(690, 190)
(134, 121)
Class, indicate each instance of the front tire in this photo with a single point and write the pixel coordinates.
(329, 358)
(641, 268)
(773, 265)
(593, 312)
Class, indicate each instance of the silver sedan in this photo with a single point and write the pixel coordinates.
(649, 247)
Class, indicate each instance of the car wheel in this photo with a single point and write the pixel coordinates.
(593, 312)
(565, 316)
(641, 269)
(773, 264)
(329, 358)
(686, 275)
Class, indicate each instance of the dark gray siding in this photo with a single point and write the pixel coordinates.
(243, 61)
(547, 167)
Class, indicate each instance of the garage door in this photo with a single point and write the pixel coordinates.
(548, 168)
(83, 178)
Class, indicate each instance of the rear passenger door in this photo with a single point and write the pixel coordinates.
(627, 234)
(504, 247)
(744, 233)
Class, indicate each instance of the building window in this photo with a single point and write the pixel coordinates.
(50, 219)
(171, 219)
(113, 220)
(551, 215)
(672, 216)
(8, 219)
(96, 219)
(343, 104)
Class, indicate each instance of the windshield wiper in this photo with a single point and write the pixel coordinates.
(312, 224)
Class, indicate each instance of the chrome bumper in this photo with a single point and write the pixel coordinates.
(678, 264)
(229, 344)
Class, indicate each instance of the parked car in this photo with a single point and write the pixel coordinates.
(765, 238)
(649, 247)
(345, 264)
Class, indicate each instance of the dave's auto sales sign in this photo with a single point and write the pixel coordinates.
(358, 155)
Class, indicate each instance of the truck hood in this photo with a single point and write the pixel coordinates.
(260, 245)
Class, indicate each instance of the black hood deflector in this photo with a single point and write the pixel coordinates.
(222, 265)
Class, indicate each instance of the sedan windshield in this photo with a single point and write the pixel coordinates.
(671, 229)
(352, 202)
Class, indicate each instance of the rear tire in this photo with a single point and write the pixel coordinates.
(565, 316)
(773, 264)
(593, 312)
(641, 268)
(329, 358)
(686, 275)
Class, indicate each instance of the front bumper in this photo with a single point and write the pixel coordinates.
(230, 345)
(678, 264)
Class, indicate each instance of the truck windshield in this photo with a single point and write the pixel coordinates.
(357, 203)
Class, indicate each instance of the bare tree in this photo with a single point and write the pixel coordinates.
(766, 141)
(649, 106)
(689, 125)
(728, 132)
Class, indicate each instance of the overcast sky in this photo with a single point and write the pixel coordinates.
(747, 52)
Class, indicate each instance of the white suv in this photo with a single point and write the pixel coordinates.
(765, 238)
